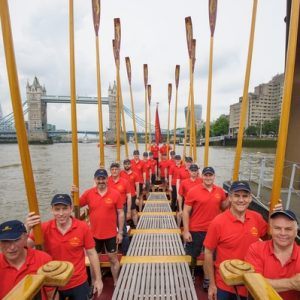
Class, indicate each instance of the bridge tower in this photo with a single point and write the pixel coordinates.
(37, 112)
(112, 108)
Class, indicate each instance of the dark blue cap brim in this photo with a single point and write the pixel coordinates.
(61, 202)
(241, 189)
(10, 236)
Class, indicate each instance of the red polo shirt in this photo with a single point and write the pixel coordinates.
(122, 185)
(137, 167)
(206, 206)
(10, 276)
(164, 149)
(133, 178)
(103, 211)
(184, 174)
(188, 184)
(174, 171)
(69, 247)
(153, 164)
(163, 165)
(231, 239)
(261, 255)
(146, 168)
(154, 149)
(171, 163)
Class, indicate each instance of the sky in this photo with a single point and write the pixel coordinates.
(153, 33)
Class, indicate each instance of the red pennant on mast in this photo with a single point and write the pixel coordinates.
(157, 127)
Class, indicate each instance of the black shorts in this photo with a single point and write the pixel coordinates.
(133, 204)
(108, 245)
(153, 178)
(77, 293)
(195, 247)
(141, 189)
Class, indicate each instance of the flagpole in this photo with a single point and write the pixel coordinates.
(19, 118)
(286, 104)
(169, 101)
(73, 110)
(146, 105)
(177, 72)
(212, 23)
(149, 102)
(128, 68)
(238, 152)
(96, 20)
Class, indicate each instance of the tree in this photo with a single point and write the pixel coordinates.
(252, 130)
(221, 126)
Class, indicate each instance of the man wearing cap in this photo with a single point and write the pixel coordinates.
(202, 204)
(155, 150)
(147, 172)
(121, 185)
(16, 261)
(186, 185)
(103, 203)
(278, 259)
(173, 175)
(164, 149)
(133, 179)
(229, 235)
(69, 239)
(184, 173)
(137, 167)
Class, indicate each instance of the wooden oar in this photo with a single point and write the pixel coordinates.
(96, 19)
(212, 23)
(186, 124)
(73, 110)
(116, 49)
(243, 114)
(146, 105)
(19, 117)
(128, 68)
(149, 102)
(169, 104)
(286, 104)
(177, 72)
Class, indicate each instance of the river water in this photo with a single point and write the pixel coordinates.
(52, 167)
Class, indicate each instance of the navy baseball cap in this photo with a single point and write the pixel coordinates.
(240, 186)
(287, 213)
(100, 173)
(194, 167)
(136, 152)
(11, 230)
(172, 152)
(126, 161)
(145, 154)
(208, 170)
(61, 199)
(115, 165)
(188, 159)
(177, 157)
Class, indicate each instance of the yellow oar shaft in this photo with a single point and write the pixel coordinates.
(208, 106)
(146, 120)
(118, 159)
(73, 108)
(133, 119)
(175, 119)
(187, 124)
(100, 116)
(286, 104)
(19, 117)
(238, 152)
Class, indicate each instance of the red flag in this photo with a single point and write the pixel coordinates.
(157, 128)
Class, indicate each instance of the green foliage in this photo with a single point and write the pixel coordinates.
(271, 127)
(220, 126)
(252, 131)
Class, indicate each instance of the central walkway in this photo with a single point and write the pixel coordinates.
(156, 266)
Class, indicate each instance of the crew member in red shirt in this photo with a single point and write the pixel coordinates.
(123, 187)
(186, 185)
(133, 179)
(163, 170)
(229, 236)
(105, 206)
(278, 259)
(173, 175)
(69, 239)
(155, 150)
(147, 173)
(202, 204)
(137, 167)
(16, 261)
(153, 164)
(184, 172)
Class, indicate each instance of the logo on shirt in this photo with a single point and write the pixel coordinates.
(254, 231)
(74, 241)
(108, 201)
(217, 196)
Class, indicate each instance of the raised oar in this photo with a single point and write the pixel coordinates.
(177, 72)
(286, 104)
(212, 23)
(146, 105)
(149, 102)
(96, 19)
(186, 124)
(128, 68)
(19, 117)
(169, 104)
(116, 49)
(238, 152)
(73, 110)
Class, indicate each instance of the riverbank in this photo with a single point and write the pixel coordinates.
(247, 143)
